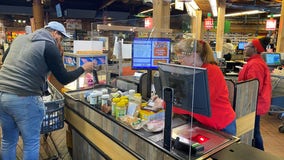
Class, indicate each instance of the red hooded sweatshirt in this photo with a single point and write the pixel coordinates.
(222, 113)
(257, 68)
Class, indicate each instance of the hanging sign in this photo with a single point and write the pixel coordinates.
(179, 5)
(270, 24)
(148, 22)
(208, 23)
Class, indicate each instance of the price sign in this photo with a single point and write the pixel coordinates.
(148, 22)
(271, 24)
(208, 23)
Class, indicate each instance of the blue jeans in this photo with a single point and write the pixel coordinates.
(24, 115)
(258, 142)
(231, 128)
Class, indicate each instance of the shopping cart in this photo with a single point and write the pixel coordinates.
(54, 116)
(277, 100)
(277, 106)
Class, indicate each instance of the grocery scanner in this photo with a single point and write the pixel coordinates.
(186, 87)
(192, 140)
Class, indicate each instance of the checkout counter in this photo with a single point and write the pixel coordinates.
(231, 67)
(97, 135)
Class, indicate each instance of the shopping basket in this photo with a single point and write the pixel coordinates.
(53, 119)
(54, 114)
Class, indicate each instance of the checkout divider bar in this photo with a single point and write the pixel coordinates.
(168, 98)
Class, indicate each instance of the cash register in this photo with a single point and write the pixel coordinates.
(137, 82)
(187, 88)
(146, 53)
(273, 60)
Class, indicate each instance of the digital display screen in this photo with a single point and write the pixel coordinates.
(241, 45)
(58, 10)
(272, 59)
(190, 85)
(70, 61)
(99, 60)
(148, 52)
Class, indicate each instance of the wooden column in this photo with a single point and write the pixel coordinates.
(38, 22)
(161, 17)
(38, 14)
(220, 27)
(280, 38)
(197, 25)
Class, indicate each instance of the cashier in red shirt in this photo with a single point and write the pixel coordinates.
(256, 68)
(223, 116)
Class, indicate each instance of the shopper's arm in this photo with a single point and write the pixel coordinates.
(55, 64)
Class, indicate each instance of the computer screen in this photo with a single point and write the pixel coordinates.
(147, 52)
(272, 59)
(241, 45)
(190, 85)
(58, 10)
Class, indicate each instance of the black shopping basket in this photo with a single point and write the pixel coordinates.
(54, 115)
(53, 119)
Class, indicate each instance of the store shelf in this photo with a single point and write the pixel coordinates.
(234, 37)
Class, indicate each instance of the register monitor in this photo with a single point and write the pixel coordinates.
(272, 59)
(190, 85)
(241, 45)
(148, 52)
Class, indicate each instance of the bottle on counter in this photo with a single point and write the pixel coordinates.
(120, 109)
(113, 105)
(134, 105)
(106, 104)
(92, 98)
(105, 91)
(131, 93)
(124, 99)
(99, 97)
(116, 94)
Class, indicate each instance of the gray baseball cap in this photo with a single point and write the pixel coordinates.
(58, 27)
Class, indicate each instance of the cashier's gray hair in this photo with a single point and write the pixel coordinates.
(187, 47)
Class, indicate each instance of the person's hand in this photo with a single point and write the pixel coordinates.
(88, 67)
(158, 102)
(97, 67)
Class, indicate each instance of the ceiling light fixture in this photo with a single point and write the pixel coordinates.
(213, 5)
(274, 15)
(146, 11)
(244, 13)
(191, 7)
(150, 10)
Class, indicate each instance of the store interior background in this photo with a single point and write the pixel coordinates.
(85, 20)
(16, 14)
(83, 16)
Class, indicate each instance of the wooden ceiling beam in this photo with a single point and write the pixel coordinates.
(107, 4)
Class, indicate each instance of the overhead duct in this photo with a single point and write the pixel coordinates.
(78, 13)
(107, 4)
(112, 15)
(16, 10)
(274, 9)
